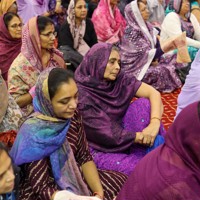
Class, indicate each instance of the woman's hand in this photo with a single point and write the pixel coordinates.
(139, 138)
(150, 132)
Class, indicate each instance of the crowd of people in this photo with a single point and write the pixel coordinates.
(80, 99)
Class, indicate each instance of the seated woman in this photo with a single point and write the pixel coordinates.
(108, 22)
(8, 6)
(37, 53)
(141, 53)
(180, 20)
(10, 116)
(112, 125)
(190, 92)
(172, 170)
(77, 34)
(52, 143)
(10, 41)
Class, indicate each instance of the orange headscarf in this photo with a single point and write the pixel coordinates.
(5, 5)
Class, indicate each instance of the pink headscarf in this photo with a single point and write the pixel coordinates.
(31, 46)
(109, 24)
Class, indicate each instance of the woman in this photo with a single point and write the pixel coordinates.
(180, 20)
(77, 34)
(172, 170)
(141, 53)
(108, 22)
(190, 92)
(10, 41)
(111, 123)
(157, 12)
(8, 6)
(52, 142)
(37, 53)
(10, 116)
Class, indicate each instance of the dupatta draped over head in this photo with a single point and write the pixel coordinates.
(175, 5)
(108, 99)
(5, 5)
(10, 48)
(31, 47)
(109, 24)
(174, 167)
(77, 33)
(43, 135)
(138, 43)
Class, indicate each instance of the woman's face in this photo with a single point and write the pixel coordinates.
(185, 7)
(80, 10)
(113, 66)
(13, 8)
(47, 37)
(65, 100)
(15, 27)
(144, 11)
(7, 176)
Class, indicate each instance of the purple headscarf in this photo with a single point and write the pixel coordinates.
(138, 43)
(171, 171)
(104, 103)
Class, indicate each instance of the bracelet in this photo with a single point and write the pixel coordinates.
(97, 194)
(156, 118)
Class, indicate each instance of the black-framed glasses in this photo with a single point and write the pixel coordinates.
(54, 34)
(14, 26)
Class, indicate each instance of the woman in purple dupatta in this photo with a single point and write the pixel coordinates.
(111, 123)
(172, 171)
(141, 53)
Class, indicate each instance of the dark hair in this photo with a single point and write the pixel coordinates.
(42, 22)
(8, 17)
(57, 77)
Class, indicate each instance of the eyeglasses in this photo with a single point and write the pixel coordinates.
(54, 34)
(15, 26)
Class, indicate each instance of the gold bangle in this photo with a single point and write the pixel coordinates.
(156, 118)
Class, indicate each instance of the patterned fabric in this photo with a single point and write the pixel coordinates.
(172, 170)
(3, 98)
(10, 48)
(138, 48)
(26, 68)
(43, 135)
(5, 5)
(10, 116)
(136, 119)
(109, 24)
(77, 32)
(104, 103)
(31, 188)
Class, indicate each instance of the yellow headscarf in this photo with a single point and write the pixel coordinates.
(5, 5)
